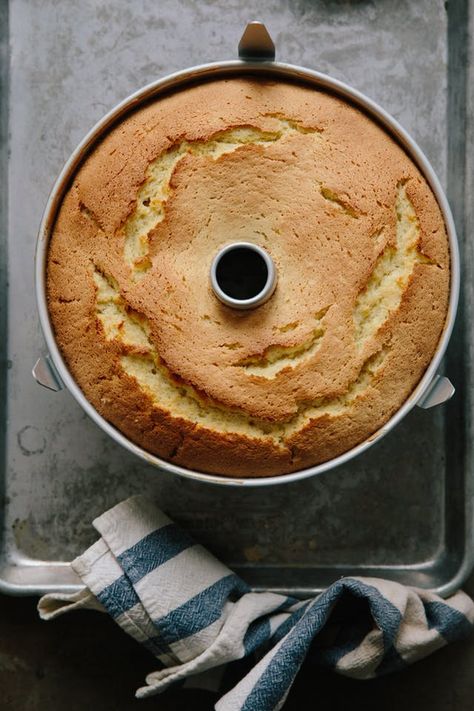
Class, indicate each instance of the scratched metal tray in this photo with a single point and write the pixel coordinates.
(403, 510)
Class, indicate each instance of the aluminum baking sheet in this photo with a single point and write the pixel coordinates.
(403, 509)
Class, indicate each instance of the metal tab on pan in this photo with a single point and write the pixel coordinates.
(438, 391)
(45, 374)
(256, 43)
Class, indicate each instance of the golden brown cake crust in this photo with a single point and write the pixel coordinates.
(360, 248)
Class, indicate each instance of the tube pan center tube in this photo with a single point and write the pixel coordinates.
(243, 275)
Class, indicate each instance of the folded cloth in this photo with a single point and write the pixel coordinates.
(194, 614)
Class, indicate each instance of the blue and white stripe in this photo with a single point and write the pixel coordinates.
(195, 615)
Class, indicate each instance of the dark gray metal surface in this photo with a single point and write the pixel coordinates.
(402, 510)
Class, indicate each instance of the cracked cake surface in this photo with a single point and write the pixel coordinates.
(358, 241)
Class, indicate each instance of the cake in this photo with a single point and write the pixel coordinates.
(357, 239)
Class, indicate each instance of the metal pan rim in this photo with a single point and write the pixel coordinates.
(208, 72)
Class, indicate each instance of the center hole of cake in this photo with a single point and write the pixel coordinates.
(242, 273)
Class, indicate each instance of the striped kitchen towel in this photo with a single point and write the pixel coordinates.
(195, 615)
